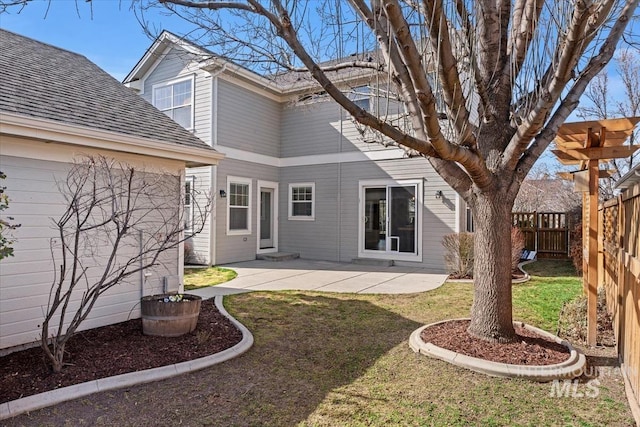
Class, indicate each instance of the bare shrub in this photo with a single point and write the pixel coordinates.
(458, 257)
(118, 221)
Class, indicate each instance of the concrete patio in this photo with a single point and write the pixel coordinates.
(324, 276)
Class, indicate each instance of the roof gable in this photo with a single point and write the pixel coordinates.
(281, 84)
(46, 82)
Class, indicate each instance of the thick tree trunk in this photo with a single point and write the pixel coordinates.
(491, 313)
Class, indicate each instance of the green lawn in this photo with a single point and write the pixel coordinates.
(196, 278)
(540, 300)
(342, 359)
(325, 359)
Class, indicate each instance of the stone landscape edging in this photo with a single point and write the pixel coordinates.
(524, 279)
(52, 397)
(570, 368)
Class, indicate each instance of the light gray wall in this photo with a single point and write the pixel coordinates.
(333, 235)
(235, 248)
(316, 239)
(199, 243)
(248, 121)
(26, 277)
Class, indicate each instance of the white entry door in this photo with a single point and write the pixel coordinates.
(268, 217)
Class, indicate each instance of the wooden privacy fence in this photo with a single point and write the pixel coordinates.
(619, 260)
(544, 232)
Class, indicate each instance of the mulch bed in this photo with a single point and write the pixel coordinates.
(113, 350)
(529, 349)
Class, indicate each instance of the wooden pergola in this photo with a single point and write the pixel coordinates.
(586, 144)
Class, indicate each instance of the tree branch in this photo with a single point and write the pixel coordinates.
(448, 70)
(595, 66)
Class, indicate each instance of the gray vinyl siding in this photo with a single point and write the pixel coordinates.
(26, 277)
(198, 245)
(247, 121)
(174, 65)
(318, 238)
(438, 215)
(235, 248)
(311, 129)
(333, 235)
(321, 127)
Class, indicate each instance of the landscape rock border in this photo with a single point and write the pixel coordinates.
(572, 367)
(524, 279)
(42, 400)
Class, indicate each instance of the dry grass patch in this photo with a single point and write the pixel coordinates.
(196, 278)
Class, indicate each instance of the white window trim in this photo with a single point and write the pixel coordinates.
(191, 180)
(239, 180)
(290, 216)
(192, 78)
(274, 186)
(362, 252)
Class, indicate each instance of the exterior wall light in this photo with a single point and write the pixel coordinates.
(439, 194)
(223, 194)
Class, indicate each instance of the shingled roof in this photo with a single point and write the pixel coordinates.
(46, 82)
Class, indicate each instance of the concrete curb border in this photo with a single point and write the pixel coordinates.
(570, 368)
(42, 400)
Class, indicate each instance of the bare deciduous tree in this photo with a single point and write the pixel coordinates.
(118, 221)
(508, 72)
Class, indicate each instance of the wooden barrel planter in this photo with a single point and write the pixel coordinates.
(164, 318)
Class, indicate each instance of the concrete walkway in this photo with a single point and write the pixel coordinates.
(324, 276)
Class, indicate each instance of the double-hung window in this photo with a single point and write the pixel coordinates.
(302, 201)
(175, 99)
(239, 205)
(188, 203)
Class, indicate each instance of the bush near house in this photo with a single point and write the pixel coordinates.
(458, 256)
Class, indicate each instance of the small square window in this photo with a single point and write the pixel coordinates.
(302, 201)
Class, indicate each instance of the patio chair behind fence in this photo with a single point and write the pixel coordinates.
(547, 233)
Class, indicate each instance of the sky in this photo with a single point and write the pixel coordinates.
(107, 33)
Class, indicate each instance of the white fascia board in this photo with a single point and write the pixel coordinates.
(151, 55)
(316, 159)
(232, 69)
(58, 132)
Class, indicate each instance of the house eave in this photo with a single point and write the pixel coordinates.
(64, 133)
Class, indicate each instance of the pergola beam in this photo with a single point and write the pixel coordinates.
(594, 153)
(587, 143)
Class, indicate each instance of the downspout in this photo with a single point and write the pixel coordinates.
(143, 276)
(339, 192)
(213, 172)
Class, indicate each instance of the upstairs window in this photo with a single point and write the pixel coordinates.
(301, 201)
(175, 99)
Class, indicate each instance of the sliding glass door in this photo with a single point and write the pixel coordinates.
(389, 223)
